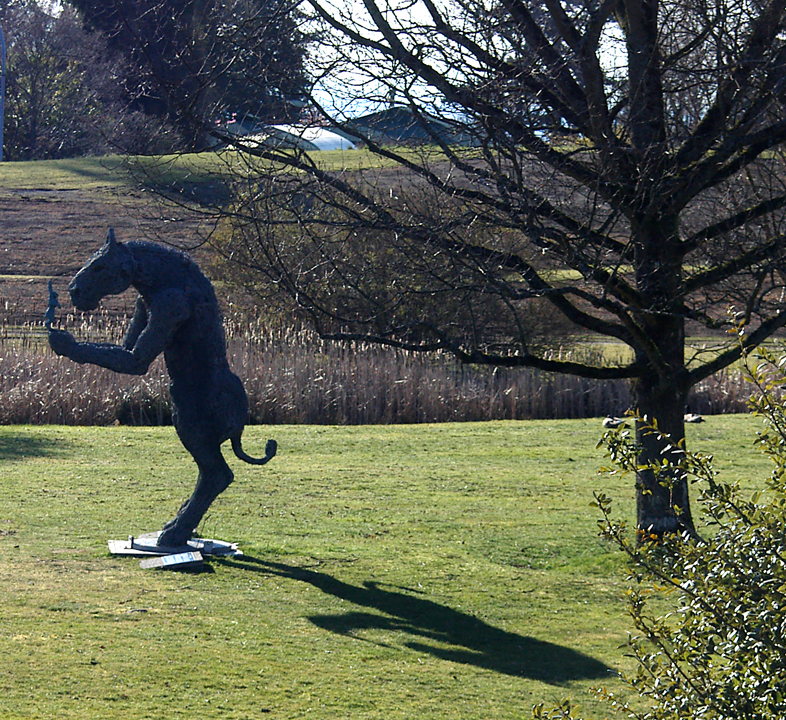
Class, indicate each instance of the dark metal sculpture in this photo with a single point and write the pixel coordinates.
(176, 313)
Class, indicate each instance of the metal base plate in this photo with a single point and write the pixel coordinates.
(145, 545)
(181, 561)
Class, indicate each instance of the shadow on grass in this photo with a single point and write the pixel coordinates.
(19, 444)
(438, 630)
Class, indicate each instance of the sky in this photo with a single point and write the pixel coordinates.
(350, 93)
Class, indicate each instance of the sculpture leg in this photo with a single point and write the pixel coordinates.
(215, 476)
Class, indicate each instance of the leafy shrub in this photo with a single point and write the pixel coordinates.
(719, 652)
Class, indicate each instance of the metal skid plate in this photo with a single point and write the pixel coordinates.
(145, 545)
(181, 561)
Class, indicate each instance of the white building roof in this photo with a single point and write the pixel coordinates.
(297, 136)
(321, 138)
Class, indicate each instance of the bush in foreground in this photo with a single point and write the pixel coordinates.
(719, 651)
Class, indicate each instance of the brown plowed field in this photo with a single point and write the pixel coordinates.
(48, 234)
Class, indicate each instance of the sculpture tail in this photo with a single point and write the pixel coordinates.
(270, 451)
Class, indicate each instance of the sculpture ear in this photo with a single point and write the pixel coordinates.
(110, 238)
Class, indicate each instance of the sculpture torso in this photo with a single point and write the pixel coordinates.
(176, 297)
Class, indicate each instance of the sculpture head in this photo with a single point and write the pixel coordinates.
(109, 272)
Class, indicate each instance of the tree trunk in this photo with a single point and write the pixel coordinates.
(660, 394)
(662, 504)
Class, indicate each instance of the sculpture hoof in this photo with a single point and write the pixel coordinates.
(173, 537)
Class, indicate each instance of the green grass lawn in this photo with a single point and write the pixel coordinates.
(91, 173)
(111, 172)
(439, 571)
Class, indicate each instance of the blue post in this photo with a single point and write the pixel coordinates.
(2, 89)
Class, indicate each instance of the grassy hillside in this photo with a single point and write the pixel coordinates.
(92, 173)
(120, 172)
(55, 213)
(431, 571)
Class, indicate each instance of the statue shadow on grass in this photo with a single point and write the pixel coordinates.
(436, 629)
(19, 444)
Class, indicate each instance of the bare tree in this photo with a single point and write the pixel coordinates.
(63, 93)
(192, 61)
(618, 162)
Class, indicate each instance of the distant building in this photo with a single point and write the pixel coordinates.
(304, 138)
(308, 138)
(397, 125)
(400, 126)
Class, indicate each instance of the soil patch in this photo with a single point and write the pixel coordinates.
(49, 234)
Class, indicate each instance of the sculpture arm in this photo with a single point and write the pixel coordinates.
(112, 357)
(164, 317)
(138, 324)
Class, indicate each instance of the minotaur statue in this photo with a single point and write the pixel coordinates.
(176, 313)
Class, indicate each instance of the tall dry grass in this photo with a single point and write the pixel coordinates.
(294, 377)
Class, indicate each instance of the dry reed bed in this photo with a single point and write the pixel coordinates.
(294, 377)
